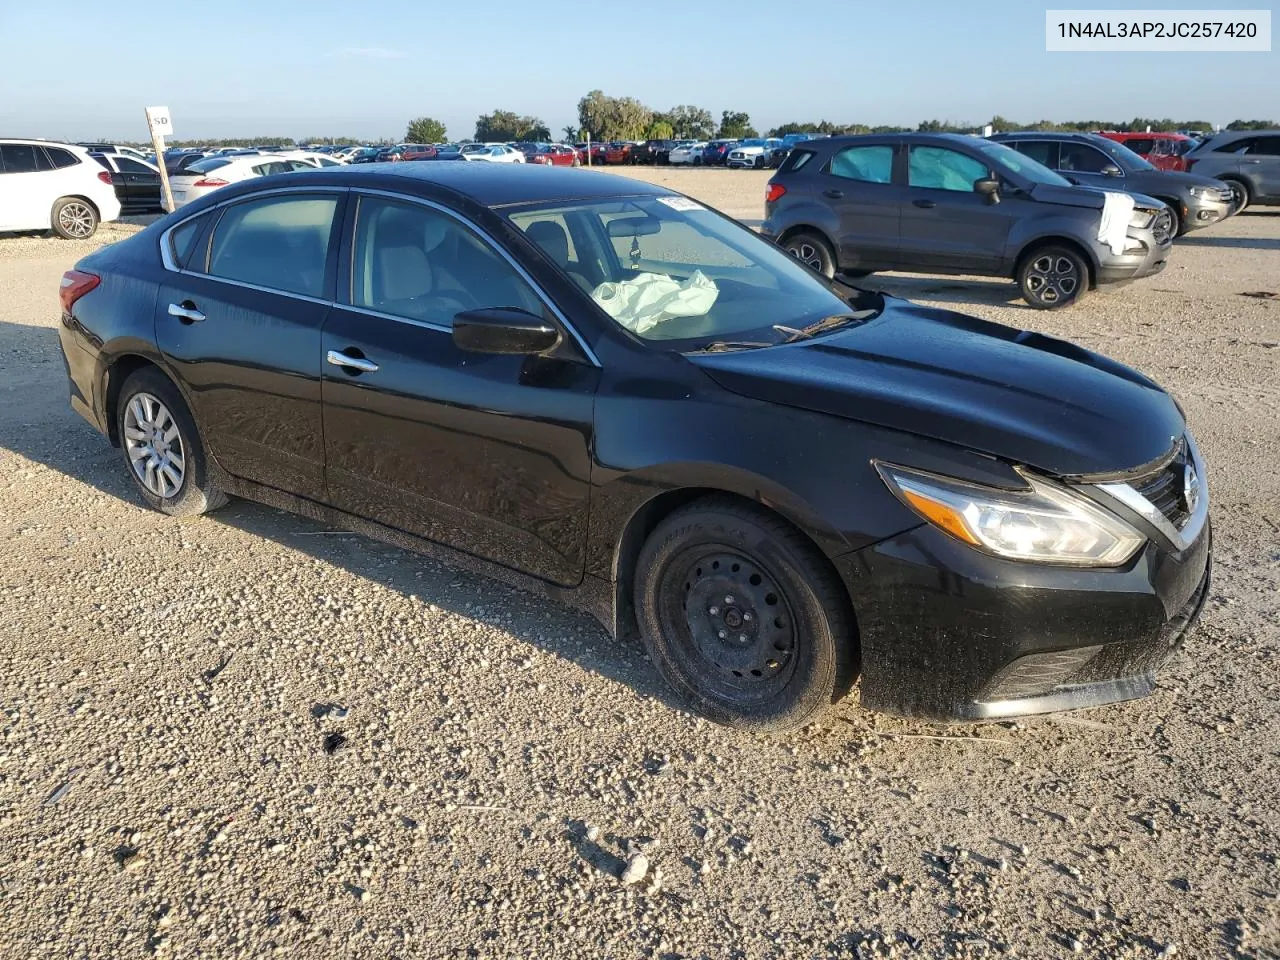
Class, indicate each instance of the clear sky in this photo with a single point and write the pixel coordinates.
(239, 68)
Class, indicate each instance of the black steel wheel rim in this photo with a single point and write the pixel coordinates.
(730, 624)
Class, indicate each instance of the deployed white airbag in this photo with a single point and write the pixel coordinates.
(1113, 227)
(645, 301)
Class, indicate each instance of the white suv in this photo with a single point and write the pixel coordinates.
(53, 186)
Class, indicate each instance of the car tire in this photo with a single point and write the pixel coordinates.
(1052, 277)
(1243, 195)
(1177, 226)
(74, 218)
(758, 163)
(720, 566)
(813, 251)
(151, 407)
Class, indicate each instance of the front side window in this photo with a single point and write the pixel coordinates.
(1082, 158)
(668, 269)
(418, 263)
(127, 165)
(277, 242)
(1266, 147)
(872, 164)
(940, 168)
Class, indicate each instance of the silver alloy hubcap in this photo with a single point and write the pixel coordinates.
(807, 254)
(1052, 279)
(154, 445)
(76, 219)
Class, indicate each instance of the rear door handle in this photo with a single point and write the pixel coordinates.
(340, 359)
(186, 312)
(924, 204)
(833, 194)
(1251, 161)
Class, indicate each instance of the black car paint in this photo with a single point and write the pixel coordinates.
(549, 471)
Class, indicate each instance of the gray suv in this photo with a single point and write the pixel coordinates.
(1195, 201)
(1248, 161)
(943, 203)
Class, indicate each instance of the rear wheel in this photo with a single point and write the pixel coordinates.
(813, 251)
(74, 219)
(743, 618)
(162, 447)
(1053, 277)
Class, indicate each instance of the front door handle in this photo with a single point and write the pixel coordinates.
(924, 204)
(1250, 161)
(833, 194)
(186, 312)
(340, 359)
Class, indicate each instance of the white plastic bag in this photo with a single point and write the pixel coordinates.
(1113, 226)
(644, 302)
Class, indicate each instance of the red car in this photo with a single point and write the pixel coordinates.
(618, 152)
(418, 151)
(1166, 151)
(598, 151)
(553, 155)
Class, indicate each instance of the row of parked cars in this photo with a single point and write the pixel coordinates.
(1061, 213)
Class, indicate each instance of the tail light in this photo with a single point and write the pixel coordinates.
(210, 182)
(75, 284)
(773, 192)
(105, 177)
(1188, 164)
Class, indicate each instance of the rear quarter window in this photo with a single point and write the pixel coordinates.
(182, 241)
(796, 160)
(60, 158)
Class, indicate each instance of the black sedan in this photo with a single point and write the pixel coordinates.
(606, 391)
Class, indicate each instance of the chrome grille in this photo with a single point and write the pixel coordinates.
(1163, 489)
(1162, 229)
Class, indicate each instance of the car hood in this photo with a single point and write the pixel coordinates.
(1083, 195)
(1154, 180)
(1021, 396)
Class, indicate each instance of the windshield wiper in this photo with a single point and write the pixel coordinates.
(720, 346)
(822, 326)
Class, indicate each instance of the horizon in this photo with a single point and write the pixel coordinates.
(333, 78)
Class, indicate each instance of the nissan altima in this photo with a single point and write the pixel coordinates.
(605, 391)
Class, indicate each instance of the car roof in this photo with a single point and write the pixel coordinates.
(489, 185)
(1056, 135)
(45, 143)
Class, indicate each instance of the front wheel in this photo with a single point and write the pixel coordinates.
(162, 447)
(813, 251)
(743, 617)
(1053, 277)
(74, 219)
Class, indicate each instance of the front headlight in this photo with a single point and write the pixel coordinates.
(1205, 193)
(1142, 218)
(1046, 523)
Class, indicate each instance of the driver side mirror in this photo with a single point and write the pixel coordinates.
(1111, 170)
(503, 330)
(989, 188)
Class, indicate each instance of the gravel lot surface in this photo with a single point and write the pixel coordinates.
(169, 690)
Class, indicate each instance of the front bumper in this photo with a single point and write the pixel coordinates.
(1147, 257)
(1198, 213)
(950, 633)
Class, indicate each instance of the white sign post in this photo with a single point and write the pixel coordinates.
(161, 126)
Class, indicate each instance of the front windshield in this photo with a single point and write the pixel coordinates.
(1118, 151)
(1009, 159)
(668, 269)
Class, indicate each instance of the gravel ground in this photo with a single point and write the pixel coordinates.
(247, 735)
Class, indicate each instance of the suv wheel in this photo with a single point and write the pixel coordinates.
(742, 617)
(813, 251)
(74, 219)
(1239, 194)
(1053, 277)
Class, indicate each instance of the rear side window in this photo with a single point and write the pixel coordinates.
(1234, 146)
(1140, 144)
(938, 168)
(279, 242)
(796, 160)
(131, 166)
(871, 164)
(60, 158)
(21, 158)
(182, 242)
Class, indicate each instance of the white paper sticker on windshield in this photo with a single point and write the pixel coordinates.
(683, 204)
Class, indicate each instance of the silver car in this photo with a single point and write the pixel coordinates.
(1246, 160)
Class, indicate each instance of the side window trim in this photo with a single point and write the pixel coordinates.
(344, 292)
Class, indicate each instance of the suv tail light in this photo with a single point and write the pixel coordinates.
(1188, 163)
(210, 182)
(75, 284)
(105, 176)
(773, 192)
